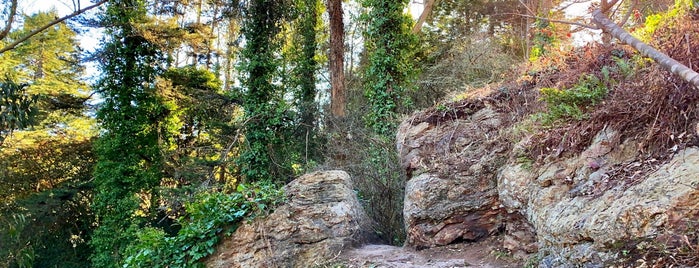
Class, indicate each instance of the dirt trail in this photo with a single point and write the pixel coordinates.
(484, 254)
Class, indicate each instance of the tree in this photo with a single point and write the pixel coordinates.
(48, 66)
(129, 161)
(426, 11)
(11, 19)
(337, 51)
(390, 47)
(305, 64)
(262, 101)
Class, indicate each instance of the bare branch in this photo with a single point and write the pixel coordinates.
(628, 13)
(40, 29)
(426, 11)
(527, 7)
(10, 20)
(592, 27)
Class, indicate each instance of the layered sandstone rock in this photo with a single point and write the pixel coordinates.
(320, 218)
(452, 159)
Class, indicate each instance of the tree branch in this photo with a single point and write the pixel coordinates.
(664, 60)
(628, 13)
(591, 27)
(426, 11)
(10, 20)
(57, 21)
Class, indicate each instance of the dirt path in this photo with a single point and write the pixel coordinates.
(482, 254)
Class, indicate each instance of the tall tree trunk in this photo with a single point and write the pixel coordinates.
(665, 61)
(337, 50)
(426, 11)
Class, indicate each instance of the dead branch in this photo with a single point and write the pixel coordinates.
(591, 27)
(664, 60)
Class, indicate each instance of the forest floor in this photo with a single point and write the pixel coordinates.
(485, 254)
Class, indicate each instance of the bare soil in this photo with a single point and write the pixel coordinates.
(487, 253)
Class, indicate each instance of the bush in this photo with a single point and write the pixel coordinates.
(208, 216)
(571, 103)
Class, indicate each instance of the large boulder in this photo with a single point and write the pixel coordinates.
(592, 218)
(590, 209)
(452, 157)
(320, 218)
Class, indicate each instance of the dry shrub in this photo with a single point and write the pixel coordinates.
(373, 163)
(653, 107)
(468, 62)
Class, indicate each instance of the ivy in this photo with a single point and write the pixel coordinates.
(262, 99)
(390, 71)
(129, 161)
(208, 216)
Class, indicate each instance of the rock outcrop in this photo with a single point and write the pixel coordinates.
(452, 158)
(320, 218)
(465, 183)
(585, 213)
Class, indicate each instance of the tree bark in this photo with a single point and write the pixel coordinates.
(337, 51)
(426, 11)
(665, 61)
(10, 20)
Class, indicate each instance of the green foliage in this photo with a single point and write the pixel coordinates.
(662, 20)
(304, 61)
(16, 108)
(209, 215)
(45, 170)
(129, 155)
(572, 102)
(57, 223)
(199, 126)
(263, 100)
(16, 250)
(390, 71)
(544, 38)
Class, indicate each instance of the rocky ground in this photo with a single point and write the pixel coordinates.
(487, 253)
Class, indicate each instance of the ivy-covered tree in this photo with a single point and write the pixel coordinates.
(262, 101)
(129, 163)
(390, 48)
(305, 65)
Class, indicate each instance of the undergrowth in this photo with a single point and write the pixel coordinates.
(209, 215)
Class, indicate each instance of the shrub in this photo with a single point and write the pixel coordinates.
(208, 216)
(572, 102)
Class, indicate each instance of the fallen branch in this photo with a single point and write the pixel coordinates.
(664, 60)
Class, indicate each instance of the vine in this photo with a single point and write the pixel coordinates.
(129, 160)
(262, 101)
(391, 49)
